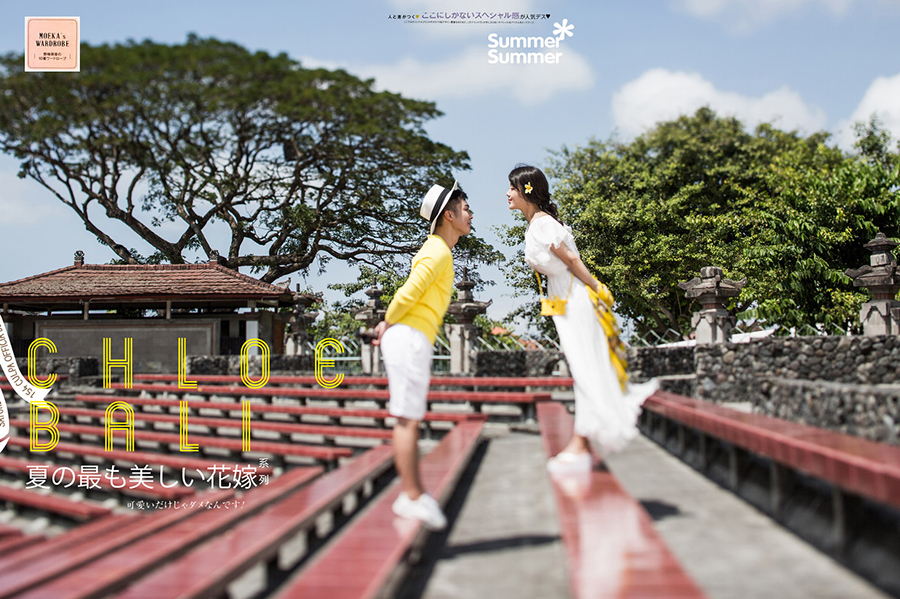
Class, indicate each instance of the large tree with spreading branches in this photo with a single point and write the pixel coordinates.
(206, 146)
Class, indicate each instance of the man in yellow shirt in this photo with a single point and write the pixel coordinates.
(407, 335)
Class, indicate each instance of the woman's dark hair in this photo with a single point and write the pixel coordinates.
(540, 189)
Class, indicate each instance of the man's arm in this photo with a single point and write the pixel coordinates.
(424, 273)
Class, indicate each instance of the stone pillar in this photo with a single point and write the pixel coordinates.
(297, 340)
(464, 333)
(713, 323)
(369, 316)
(252, 328)
(881, 315)
(462, 339)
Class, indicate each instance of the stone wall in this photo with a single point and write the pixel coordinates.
(648, 362)
(870, 411)
(846, 384)
(77, 369)
(515, 363)
(154, 340)
(730, 371)
(674, 365)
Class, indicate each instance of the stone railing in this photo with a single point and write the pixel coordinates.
(848, 384)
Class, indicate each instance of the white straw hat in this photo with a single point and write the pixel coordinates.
(434, 202)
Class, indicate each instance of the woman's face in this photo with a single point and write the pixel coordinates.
(515, 199)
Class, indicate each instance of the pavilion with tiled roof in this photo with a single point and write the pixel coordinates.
(215, 308)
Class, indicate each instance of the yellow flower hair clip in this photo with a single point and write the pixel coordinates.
(528, 188)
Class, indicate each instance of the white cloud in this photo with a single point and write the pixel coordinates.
(662, 95)
(743, 15)
(882, 99)
(469, 75)
(701, 8)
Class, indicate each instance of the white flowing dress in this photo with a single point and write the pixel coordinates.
(604, 414)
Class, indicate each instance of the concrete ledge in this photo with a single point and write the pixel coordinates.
(861, 533)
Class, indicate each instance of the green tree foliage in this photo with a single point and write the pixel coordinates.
(338, 316)
(789, 213)
(289, 165)
(820, 208)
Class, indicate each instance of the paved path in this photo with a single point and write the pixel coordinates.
(504, 542)
(731, 549)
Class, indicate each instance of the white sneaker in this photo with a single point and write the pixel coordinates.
(424, 509)
(564, 462)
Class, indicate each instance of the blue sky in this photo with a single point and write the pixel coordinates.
(803, 64)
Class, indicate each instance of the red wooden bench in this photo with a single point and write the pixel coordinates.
(350, 381)
(112, 570)
(334, 414)
(381, 396)
(18, 543)
(63, 506)
(113, 557)
(857, 465)
(524, 400)
(368, 559)
(9, 531)
(140, 458)
(841, 493)
(284, 429)
(45, 566)
(13, 539)
(325, 454)
(208, 570)
(72, 538)
(612, 549)
(11, 393)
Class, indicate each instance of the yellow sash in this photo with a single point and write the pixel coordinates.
(603, 302)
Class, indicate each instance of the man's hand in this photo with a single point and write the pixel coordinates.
(379, 330)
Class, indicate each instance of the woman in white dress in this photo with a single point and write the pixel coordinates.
(605, 413)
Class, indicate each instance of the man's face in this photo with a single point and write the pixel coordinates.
(462, 218)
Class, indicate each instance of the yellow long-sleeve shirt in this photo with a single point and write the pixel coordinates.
(423, 299)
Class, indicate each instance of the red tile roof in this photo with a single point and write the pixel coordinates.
(146, 281)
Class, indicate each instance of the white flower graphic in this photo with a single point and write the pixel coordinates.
(561, 31)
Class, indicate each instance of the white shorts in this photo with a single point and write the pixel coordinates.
(407, 360)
